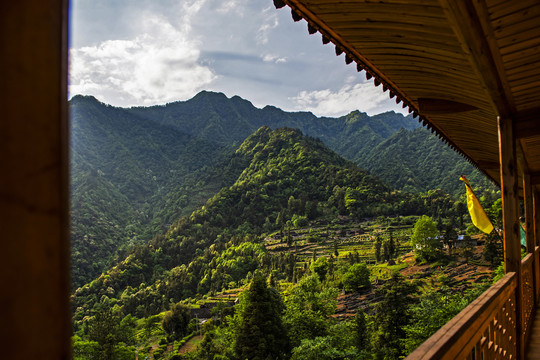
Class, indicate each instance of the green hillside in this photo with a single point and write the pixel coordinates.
(296, 212)
(416, 160)
(131, 178)
(165, 161)
(288, 180)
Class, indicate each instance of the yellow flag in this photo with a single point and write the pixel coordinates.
(478, 215)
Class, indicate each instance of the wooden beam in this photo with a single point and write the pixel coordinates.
(510, 204)
(428, 106)
(471, 24)
(527, 123)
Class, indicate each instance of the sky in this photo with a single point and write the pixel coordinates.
(150, 52)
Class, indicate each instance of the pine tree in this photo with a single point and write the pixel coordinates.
(260, 334)
(385, 252)
(378, 245)
(392, 313)
(391, 247)
(362, 335)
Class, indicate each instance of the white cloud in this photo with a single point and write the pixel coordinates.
(231, 6)
(363, 96)
(158, 65)
(274, 58)
(270, 22)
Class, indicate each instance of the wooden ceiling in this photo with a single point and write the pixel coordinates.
(456, 64)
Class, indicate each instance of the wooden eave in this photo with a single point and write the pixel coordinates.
(456, 65)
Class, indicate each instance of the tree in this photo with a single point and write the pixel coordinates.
(356, 277)
(104, 331)
(361, 333)
(176, 320)
(433, 311)
(126, 330)
(378, 245)
(308, 308)
(424, 238)
(392, 314)
(391, 247)
(319, 348)
(460, 210)
(259, 332)
(385, 252)
(320, 267)
(450, 237)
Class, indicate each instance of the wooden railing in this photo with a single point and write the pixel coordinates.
(486, 329)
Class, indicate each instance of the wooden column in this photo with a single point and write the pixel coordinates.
(528, 202)
(510, 204)
(536, 229)
(34, 218)
(529, 227)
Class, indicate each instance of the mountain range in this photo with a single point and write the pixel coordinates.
(136, 171)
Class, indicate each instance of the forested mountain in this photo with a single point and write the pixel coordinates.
(287, 180)
(416, 161)
(135, 171)
(214, 117)
(131, 178)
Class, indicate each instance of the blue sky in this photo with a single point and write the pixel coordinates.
(147, 52)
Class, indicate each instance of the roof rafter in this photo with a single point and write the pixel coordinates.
(471, 23)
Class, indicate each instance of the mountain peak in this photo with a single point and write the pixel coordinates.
(84, 98)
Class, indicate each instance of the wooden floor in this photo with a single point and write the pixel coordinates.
(533, 347)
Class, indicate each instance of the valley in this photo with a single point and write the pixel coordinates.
(172, 222)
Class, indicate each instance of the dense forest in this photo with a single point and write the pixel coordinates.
(240, 260)
(136, 171)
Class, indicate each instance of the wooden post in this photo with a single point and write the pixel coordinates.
(529, 220)
(34, 183)
(536, 229)
(528, 205)
(536, 217)
(510, 204)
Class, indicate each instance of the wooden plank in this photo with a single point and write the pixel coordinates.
(375, 11)
(515, 47)
(510, 204)
(369, 48)
(467, 23)
(445, 33)
(505, 7)
(517, 23)
(298, 7)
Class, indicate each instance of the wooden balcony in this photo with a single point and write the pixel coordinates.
(489, 328)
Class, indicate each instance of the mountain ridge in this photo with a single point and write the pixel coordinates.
(169, 159)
